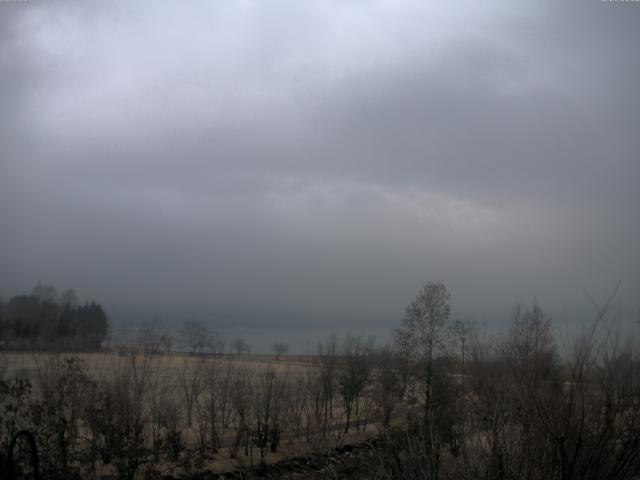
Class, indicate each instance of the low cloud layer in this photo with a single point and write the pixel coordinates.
(320, 160)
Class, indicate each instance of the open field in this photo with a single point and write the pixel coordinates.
(222, 412)
(97, 364)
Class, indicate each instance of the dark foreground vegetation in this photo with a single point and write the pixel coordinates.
(447, 401)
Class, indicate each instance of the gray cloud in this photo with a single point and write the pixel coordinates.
(318, 161)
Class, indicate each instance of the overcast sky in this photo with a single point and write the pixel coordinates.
(320, 160)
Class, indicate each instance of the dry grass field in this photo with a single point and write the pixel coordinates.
(180, 413)
(99, 364)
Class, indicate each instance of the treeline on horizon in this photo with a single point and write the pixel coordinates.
(47, 320)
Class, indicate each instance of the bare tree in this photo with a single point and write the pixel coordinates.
(271, 404)
(117, 413)
(166, 342)
(589, 425)
(195, 336)
(241, 393)
(217, 342)
(314, 391)
(299, 401)
(423, 334)
(62, 382)
(190, 379)
(149, 338)
(240, 346)
(536, 415)
(387, 390)
(327, 360)
(354, 374)
(215, 401)
(283, 392)
(279, 348)
(160, 407)
(530, 345)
